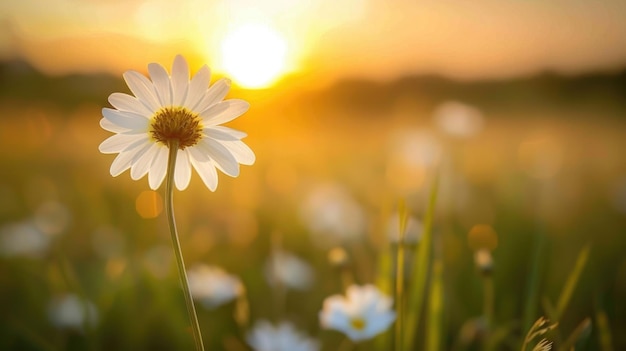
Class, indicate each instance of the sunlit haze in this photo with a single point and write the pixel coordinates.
(257, 43)
(253, 55)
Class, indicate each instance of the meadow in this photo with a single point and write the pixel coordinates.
(538, 180)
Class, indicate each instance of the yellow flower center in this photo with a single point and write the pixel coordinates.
(176, 123)
(358, 323)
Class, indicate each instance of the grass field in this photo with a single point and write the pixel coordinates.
(543, 188)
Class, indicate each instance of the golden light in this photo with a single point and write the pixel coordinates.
(254, 55)
(149, 204)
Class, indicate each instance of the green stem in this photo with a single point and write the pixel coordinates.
(399, 327)
(488, 299)
(488, 307)
(169, 212)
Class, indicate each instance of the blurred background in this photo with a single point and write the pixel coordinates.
(517, 107)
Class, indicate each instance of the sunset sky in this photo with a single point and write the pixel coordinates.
(324, 40)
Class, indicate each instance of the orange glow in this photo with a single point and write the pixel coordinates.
(149, 204)
(482, 236)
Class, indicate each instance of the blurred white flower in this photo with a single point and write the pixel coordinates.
(108, 242)
(266, 337)
(175, 108)
(362, 314)
(23, 239)
(69, 311)
(618, 194)
(32, 237)
(412, 155)
(412, 233)
(332, 214)
(458, 119)
(158, 261)
(483, 260)
(212, 286)
(289, 270)
(52, 217)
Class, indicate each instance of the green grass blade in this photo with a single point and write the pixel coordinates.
(582, 331)
(435, 311)
(604, 330)
(532, 288)
(399, 300)
(572, 281)
(421, 265)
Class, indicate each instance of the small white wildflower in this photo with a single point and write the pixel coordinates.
(212, 286)
(23, 239)
(70, 311)
(266, 337)
(362, 314)
(332, 214)
(483, 260)
(289, 270)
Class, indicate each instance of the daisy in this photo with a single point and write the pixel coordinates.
(266, 337)
(72, 312)
(212, 286)
(364, 313)
(172, 110)
(289, 270)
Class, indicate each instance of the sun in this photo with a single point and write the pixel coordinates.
(254, 55)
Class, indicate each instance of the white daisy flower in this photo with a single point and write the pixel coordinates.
(459, 120)
(362, 314)
(212, 286)
(72, 312)
(173, 108)
(266, 337)
(290, 270)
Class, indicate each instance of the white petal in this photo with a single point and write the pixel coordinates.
(180, 80)
(218, 115)
(223, 133)
(242, 153)
(142, 140)
(207, 172)
(198, 87)
(123, 161)
(125, 119)
(379, 323)
(141, 166)
(182, 173)
(161, 82)
(198, 154)
(223, 159)
(143, 89)
(117, 143)
(158, 169)
(141, 150)
(333, 314)
(125, 102)
(111, 127)
(215, 94)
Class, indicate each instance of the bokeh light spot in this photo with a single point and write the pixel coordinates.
(149, 204)
(482, 236)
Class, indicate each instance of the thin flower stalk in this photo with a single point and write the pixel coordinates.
(180, 263)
